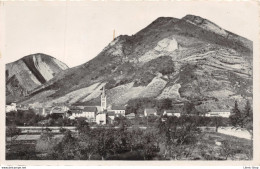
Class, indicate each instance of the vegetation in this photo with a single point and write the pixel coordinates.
(137, 106)
(164, 138)
(243, 119)
(21, 118)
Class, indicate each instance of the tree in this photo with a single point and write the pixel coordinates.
(248, 118)
(179, 136)
(12, 131)
(242, 120)
(67, 148)
(89, 143)
(122, 122)
(105, 142)
(189, 108)
(164, 104)
(149, 146)
(82, 126)
(218, 121)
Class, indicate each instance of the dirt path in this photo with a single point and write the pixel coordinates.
(233, 132)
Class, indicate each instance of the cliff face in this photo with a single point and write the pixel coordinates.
(26, 74)
(182, 59)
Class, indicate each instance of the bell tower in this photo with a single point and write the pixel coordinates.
(103, 100)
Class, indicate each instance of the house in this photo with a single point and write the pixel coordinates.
(141, 115)
(11, 107)
(119, 111)
(171, 113)
(75, 113)
(101, 118)
(218, 113)
(130, 116)
(111, 116)
(150, 112)
(59, 111)
(22, 107)
(42, 112)
(89, 113)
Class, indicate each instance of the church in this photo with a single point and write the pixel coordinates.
(115, 111)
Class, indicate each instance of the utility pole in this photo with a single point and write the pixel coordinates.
(114, 34)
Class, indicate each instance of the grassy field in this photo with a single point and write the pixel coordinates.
(217, 146)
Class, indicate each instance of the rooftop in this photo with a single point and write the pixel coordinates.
(131, 114)
(110, 113)
(219, 111)
(90, 109)
(150, 110)
(118, 108)
(58, 110)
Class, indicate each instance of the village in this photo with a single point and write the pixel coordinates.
(38, 130)
(102, 114)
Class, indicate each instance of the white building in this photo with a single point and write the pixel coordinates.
(11, 107)
(218, 113)
(101, 118)
(130, 116)
(150, 112)
(171, 113)
(119, 111)
(88, 112)
(59, 110)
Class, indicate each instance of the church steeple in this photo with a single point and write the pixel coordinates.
(103, 99)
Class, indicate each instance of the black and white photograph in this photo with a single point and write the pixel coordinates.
(129, 81)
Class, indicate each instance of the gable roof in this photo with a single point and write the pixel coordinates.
(150, 110)
(76, 107)
(58, 110)
(219, 111)
(118, 108)
(110, 113)
(76, 111)
(169, 111)
(131, 114)
(90, 109)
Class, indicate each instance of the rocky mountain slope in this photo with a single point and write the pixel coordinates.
(182, 59)
(26, 74)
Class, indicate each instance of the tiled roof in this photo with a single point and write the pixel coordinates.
(150, 111)
(90, 109)
(131, 114)
(118, 108)
(76, 111)
(219, 111)
(58, 110)
(110, 113)
(169, 111)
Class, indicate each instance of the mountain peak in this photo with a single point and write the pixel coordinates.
(29, 72)
(205, 24)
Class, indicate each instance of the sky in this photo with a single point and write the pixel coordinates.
(75, 32)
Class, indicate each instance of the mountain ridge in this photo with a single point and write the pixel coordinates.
(29, 72)
(170, 55)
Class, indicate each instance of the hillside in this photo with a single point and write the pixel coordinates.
(182, 59)
(26, 74)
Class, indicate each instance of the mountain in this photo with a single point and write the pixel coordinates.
(26, 74)
(187, 59)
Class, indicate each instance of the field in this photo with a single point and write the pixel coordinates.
(210, 146)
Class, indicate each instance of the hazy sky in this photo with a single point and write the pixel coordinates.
(75, 32)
